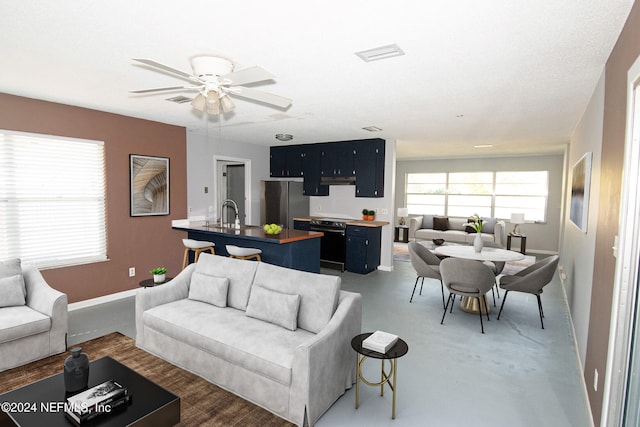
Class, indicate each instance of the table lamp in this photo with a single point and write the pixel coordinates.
(517, 219)
(402, 213)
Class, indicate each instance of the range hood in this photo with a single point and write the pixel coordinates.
(338, 180)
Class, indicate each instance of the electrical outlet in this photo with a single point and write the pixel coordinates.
(132, 271)
(595, 380)
(384, 211)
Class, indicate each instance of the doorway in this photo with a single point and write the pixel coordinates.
(232, 182)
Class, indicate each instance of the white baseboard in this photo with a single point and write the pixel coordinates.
(101, 300)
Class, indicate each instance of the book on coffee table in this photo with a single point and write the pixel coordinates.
(380, 341)
(95, 401)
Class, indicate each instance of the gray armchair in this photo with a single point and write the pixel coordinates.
(37, 329)
(467, 278)
(531, 280)
(426, 264)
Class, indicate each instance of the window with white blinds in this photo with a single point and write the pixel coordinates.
(52, 199)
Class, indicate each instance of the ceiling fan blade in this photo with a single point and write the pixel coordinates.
(168, 69)
(162, 89)
(260, 96)
(249, 75)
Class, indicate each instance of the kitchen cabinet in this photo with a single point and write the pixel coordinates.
(311, 171)
(369, 165)
(286, 161)
(337, 159)
(363, 248)
(363, 159)
(301, 225)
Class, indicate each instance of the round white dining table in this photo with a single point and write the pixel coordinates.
(468, 304)
(487, 254)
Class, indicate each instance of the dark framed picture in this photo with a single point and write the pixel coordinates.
(149, 185)
(580, 186)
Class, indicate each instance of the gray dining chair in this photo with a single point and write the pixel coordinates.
(496, 267)
(467, 278)
(426, 264)
(531, 280)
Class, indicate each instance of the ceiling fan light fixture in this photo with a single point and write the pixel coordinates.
(226, 103)
(213, 102)
(199, 102)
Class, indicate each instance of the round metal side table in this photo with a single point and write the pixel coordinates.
(399, 349)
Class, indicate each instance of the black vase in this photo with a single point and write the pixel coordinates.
(76, 371)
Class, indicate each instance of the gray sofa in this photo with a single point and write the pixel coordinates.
(451, 229)
(277, 337)
(33, 316)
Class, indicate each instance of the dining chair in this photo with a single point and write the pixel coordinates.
(467, 278)
(496, 267)
(531, 280)
(426, 264)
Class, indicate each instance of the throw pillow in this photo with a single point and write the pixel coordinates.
(12, 288)
(274, 307)
(440, 223)
(210, 289)
(427, 221)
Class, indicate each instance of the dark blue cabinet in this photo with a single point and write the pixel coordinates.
(338, 159)
(311, 185)
(278, 162)
(369, 165)
(363, 248)
(286, 161)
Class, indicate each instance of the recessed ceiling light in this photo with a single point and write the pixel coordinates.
(483, 146)
(372, 128)
(382, 52)
(284, 137)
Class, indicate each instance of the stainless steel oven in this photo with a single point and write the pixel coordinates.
(333, 243)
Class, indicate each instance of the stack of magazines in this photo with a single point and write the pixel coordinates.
(101, 399)
(380, 341)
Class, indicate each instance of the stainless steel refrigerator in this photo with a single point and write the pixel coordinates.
(281, 201)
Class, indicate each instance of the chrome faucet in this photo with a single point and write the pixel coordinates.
(235, 209)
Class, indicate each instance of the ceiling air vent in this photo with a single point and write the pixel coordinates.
(372, 128)
(179, 99)
(382, 52)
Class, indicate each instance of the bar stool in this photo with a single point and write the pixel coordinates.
(197, 246)
(243, 253)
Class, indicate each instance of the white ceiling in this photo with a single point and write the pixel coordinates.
(517, 74)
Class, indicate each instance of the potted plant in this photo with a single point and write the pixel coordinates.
(371, 215)
(159, 274)
(365, 214)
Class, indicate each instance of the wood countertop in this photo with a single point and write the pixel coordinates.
(358, 222)
(253, 232)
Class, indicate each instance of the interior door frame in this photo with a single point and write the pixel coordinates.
(627, 252)
(248, 196)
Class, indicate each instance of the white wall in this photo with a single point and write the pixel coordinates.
(578, 248)
(342, 202)
(200, 173)
(541, 237)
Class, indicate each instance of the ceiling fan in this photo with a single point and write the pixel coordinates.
(215, 80)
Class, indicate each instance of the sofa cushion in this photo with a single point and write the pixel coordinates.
(274, 307)
(440, 223)
(12, 286)
(427, 221)
(21, 321)
(457, 224)
(318, 292)
(262, 347)
(209, 289)
(239, 272)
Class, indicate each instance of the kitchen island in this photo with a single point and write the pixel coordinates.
(290, 248)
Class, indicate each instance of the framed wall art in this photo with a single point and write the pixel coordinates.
(149, 185)
(580, 187)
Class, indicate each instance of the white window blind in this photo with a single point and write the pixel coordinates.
(52, 199)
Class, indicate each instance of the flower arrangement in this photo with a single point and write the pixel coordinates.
(475, 222)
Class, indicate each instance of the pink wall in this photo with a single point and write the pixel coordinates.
(140, 242)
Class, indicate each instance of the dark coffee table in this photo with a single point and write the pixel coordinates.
(42, 402)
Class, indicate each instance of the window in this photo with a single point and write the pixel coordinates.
(489, 194)
(52, 199)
